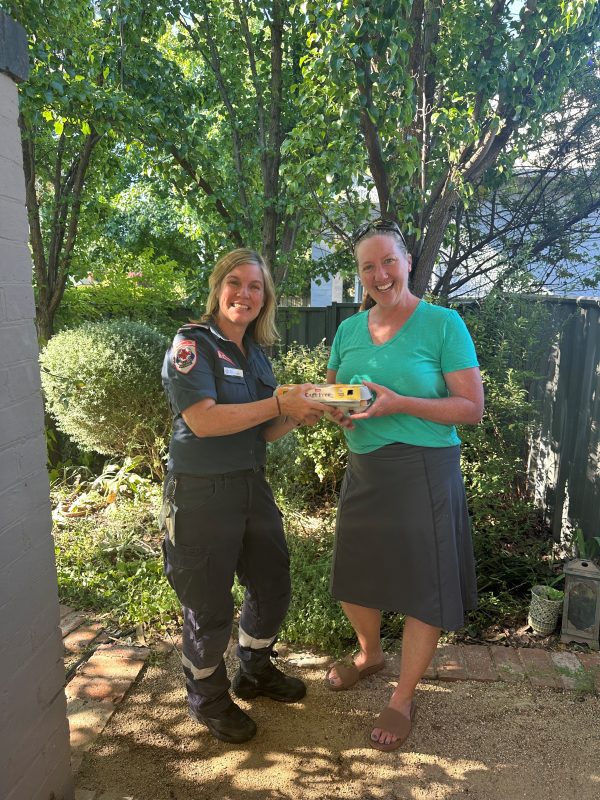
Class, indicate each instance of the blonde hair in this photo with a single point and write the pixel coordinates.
(263, 328)
(367, 301)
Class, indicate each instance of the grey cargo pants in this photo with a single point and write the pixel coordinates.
(217, 527)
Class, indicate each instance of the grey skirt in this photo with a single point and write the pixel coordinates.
(403, 539)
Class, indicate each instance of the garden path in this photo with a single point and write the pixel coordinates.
(494, 723)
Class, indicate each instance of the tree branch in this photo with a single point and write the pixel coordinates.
(426, 92)
(214, 63)
(372, 140)
(260, 106)
(209, 192)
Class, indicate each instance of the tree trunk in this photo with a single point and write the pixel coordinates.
(52, 264)
(440, 217)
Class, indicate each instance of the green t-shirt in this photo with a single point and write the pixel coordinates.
(433, 341)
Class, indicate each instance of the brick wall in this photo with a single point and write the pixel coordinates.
(34, 743)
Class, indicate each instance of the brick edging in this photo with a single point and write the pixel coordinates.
(538, 667)
(99, 683)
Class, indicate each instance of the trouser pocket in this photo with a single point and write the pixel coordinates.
(168, 511)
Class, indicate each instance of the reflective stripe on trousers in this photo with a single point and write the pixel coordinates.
(224, 526)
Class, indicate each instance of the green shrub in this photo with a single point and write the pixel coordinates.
(511, 545)
(140, 287)
(311, 460)
(102, 384)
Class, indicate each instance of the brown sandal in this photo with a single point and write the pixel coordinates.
(395, 723)
(350, 674)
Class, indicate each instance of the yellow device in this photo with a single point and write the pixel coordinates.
(347, 396)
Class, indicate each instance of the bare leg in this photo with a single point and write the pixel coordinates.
(367, 624)
(419, 642)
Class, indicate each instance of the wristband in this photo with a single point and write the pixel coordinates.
(278, 406)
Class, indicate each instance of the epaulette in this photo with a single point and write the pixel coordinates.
(192, 326)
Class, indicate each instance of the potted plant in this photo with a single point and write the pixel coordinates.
(544, 608)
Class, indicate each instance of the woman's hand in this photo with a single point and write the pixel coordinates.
(385, 403)
(340, 417)
(463, 406)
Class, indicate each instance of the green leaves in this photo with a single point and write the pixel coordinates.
(372, 101)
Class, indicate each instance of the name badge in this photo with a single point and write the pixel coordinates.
(238, 373)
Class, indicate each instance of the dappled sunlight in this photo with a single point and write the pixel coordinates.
(480, 740)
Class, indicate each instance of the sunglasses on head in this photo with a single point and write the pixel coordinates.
(383, 225)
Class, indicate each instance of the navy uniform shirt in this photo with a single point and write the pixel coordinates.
(201, 363)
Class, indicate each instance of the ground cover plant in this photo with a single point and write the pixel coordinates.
(108, 549)
(109, 563)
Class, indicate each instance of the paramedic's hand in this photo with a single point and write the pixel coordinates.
(386, 402)
(296, 405)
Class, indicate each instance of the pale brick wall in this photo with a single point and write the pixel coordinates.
(34, 742)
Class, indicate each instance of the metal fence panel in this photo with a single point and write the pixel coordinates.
(565, 449)
(308, 325)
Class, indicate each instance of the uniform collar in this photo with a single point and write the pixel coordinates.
(205, 326)
(213, 328)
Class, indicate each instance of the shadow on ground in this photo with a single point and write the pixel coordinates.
(478, 741)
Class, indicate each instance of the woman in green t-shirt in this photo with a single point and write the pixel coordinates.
(403, 540)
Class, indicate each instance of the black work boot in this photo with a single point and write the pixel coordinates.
(270, 682)
(231, 725)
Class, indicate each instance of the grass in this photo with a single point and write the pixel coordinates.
(109, 563)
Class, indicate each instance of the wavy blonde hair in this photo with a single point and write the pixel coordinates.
(263, 328)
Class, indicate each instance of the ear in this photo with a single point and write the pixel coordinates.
(409, 259)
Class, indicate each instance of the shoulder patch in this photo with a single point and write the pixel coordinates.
(184, 355)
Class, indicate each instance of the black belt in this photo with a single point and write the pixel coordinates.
(237, 473)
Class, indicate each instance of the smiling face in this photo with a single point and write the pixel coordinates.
(241, 297)
(383, 268)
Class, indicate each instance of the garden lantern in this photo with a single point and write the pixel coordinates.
(581, 607)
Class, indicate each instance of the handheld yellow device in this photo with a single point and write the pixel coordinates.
(346, 396)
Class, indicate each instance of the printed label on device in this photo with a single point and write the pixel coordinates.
(347, 396)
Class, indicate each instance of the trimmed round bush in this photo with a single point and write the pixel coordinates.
(102, 385)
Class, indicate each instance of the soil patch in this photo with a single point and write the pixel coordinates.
(494, 741)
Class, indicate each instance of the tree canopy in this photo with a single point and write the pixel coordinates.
(193, 126)
(428, 98)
